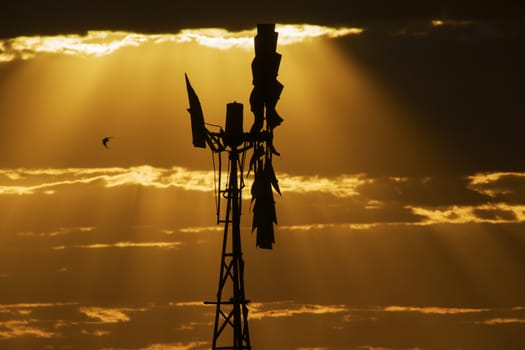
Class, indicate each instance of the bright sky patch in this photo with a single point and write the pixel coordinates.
(101, 43)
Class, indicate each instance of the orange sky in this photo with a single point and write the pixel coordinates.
(387, 237)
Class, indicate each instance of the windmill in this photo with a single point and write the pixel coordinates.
(232, 310)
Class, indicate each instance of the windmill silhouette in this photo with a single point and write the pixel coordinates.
(232, 311)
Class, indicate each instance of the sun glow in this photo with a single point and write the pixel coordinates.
(258, 312)
(493, 213)
(18, 328)
(108, 315)
(124, 245)
(433, 310)
(100, 43)
(31, 181)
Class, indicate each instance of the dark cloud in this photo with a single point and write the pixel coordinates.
(508, 187)
(59, 16)
(487, 214)
(464, 81)
(425, 191)
(297, 209)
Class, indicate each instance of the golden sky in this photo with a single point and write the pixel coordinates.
(390, 236)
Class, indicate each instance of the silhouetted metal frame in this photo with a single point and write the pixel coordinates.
(264, 97)
(232, 263)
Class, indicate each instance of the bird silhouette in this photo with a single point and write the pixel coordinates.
(105, 141)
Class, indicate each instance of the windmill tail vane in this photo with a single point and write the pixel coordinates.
(199, 132)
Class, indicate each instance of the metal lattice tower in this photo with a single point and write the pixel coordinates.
(231, 309)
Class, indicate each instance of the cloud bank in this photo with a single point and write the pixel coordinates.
(102, 43)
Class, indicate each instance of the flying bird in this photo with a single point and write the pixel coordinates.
(105, 141)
